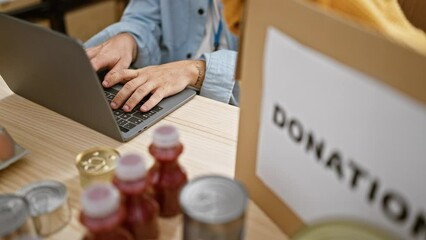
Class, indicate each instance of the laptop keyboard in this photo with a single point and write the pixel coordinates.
(129, 120)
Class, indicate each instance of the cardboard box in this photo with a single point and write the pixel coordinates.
(341, 158)
(86, 21)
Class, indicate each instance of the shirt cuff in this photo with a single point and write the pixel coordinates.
(219, 80)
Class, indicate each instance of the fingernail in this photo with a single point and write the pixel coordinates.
(113, 105)
(105, 83)
(126, 108)
(144, 108)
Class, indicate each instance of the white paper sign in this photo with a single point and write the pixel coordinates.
(335, 143)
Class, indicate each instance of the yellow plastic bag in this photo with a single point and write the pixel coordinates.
(385, 16)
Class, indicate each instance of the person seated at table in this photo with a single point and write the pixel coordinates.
(172, 45)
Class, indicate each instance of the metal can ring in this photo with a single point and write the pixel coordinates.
(96, 165)
(48, 205)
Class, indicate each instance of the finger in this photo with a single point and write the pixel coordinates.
(156, 97)
(99, 61)
(119, 76)
(93, 51)
(138, 95)
(126, 91)
(123, 63)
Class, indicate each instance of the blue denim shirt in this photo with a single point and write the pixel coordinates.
(171, 30)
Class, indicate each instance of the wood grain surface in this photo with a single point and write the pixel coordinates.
(208, 131)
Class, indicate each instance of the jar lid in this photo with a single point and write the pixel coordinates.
(166, 136)
(341, 229)
(100, 200)
(130, 167)
(13, 213)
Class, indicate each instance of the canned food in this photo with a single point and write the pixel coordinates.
(10, 151)
(15, 222)
(214, 208)
(48, 205)
(7, 145)
(343, 229)
(96, 165)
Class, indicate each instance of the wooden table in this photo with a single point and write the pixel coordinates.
(208, 131)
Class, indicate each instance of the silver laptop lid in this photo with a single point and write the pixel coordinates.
(53, 70)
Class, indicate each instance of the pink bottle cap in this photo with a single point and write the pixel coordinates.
(166, 136)
(130, 167)
(100, 200)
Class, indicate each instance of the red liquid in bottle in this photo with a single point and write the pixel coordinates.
(102, 213)
(142, 209)
(166, 175)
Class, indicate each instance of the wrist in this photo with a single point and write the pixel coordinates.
(132, 43)
(198, 72)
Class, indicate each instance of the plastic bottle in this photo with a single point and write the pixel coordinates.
(102, 213)
(166, 175)
(142, 209)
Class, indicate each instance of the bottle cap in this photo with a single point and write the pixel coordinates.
(100, 200)
(166, 136)
(130, 167)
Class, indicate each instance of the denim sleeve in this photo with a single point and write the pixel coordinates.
(142, 20)
(219, 82)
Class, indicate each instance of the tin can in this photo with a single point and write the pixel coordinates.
(214, 208)
(10, 151)
(7, 145)
(48, 205)
(96, 165)
(342, 229)
(15, 221)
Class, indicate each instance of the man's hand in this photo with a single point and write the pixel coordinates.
(161, 80)
(115, 54)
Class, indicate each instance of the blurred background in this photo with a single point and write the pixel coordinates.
(79, 19)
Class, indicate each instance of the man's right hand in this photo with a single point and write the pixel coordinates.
(115, 54)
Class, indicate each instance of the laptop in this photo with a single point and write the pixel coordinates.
(53, 70)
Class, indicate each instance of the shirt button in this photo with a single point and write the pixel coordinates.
(201, 11)
(189, 55)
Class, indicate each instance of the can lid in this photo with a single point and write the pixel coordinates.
(100, 200)
(44, 196)
(130, 167)
(13, 213)
(166, 136)
(213, 199)
(97, 160)
(341, 229)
